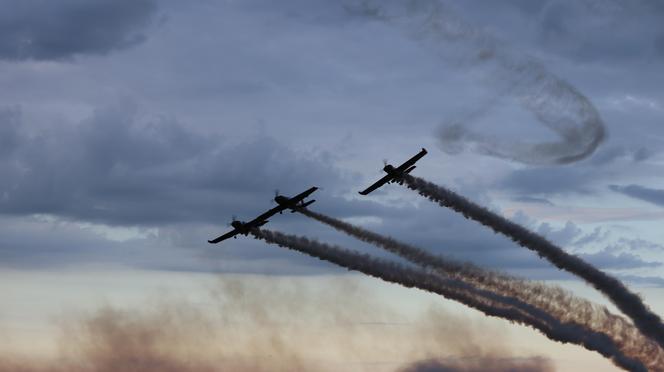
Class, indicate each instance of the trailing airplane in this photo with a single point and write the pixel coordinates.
(294, 203)
(395, 174)
(241, 227)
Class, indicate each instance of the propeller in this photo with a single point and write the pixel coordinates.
(381, 170)
(229, 224)
(276, 193)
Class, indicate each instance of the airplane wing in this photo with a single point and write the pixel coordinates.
(301, 196)
(229, 234)
(410, 162)
(256, 222)
(376, 185)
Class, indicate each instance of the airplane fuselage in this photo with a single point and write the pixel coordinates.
(396, 173)
(295, 202)
(282, 200)
(245, 227)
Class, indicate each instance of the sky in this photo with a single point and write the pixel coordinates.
(133, 131)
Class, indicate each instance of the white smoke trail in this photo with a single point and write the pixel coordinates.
(452, 289)
(628, 302)
(555, 301)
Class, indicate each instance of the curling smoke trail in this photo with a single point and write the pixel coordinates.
(628, 302)
(555, 103)
(451, 289)
(552, 301)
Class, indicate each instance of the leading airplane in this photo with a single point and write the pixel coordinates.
(244, 228)
(395, 174)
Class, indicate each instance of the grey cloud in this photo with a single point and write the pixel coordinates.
(32, 243)
(530, 199)
(610, 258)
(583, 178)
(548, 180)
(563, 236)
(654, 196)
(640, 244)
(596, 236)
(654, 281)
(9, 129)
(48, 30)
(357, 80)
(495, 363)
(447, 233)
(578, 29)
(611, 154)
(572, 235)
(115, 169)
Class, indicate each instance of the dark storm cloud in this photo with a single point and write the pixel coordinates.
(115, 169)
(54, 30)
(654, 196)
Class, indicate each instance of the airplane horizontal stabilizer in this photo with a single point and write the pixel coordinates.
(308, 203)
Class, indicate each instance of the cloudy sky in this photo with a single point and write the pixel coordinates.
(132, 131)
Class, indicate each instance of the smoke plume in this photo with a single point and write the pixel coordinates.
(538, 300)
(258, 324)
(456, 290)
(628, 302)
(555, 103)
(481, 365)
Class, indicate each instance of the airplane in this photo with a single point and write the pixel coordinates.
(241, 227)
(296, 202)
(244, 228)
(395, 174)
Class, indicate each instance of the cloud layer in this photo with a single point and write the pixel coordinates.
(44, 30)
